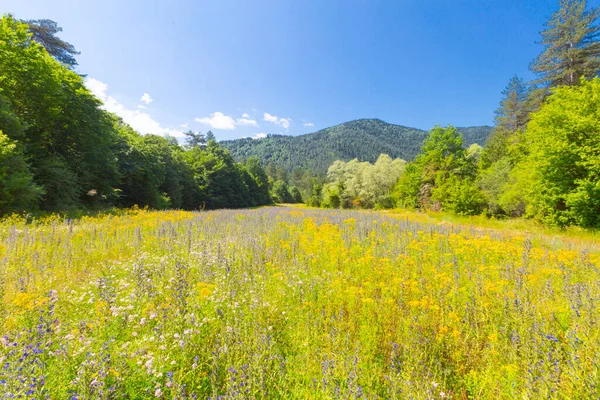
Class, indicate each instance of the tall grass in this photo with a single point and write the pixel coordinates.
(289, 303)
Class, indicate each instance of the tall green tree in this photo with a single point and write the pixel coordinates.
(441, 177)
(281, 192)
(142, 173)
(10, 123)
(219, 178)
(563, 168)
(67, 137)
(296, 195)
(571, 47)
(512, 113)
(511, 117)
(44, 32)
(261, 180)
(193, 139)
(153, 172)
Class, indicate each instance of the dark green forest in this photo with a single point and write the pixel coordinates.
(61, 152)
(364, 139)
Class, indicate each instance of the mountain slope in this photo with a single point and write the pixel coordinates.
(364, 139)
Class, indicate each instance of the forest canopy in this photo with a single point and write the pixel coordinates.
(61, 151)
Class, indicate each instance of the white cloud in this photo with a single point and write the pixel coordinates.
(98, 88)
(146, 98)
(184, 126)
(284, 122)
(259, 136)
(139, 120)
(246, 121)
(218, 120)
(141, 106)
(309, 124)
(270, 118)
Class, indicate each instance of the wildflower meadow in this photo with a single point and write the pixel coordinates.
(295, 303)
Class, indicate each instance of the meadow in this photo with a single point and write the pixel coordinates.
(295, 303)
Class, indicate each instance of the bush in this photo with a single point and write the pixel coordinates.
(460, 196)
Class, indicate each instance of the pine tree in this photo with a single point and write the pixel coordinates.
(571, 45)
(193, 139)
(44, 32)
(511, 117)
(512, 113)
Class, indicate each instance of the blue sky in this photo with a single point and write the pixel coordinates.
(242, 68)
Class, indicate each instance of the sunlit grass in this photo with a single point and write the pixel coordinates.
(296, 303)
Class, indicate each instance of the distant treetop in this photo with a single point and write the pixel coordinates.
(44, 32)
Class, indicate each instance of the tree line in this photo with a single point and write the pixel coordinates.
(542, 159)
(60, 151)
(364, 139)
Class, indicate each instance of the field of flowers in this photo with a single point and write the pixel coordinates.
(291, 303)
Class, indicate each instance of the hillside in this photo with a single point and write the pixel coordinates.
(364, 139)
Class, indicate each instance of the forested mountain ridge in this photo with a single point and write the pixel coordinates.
(364, 139)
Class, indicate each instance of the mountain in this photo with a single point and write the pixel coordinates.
(364, 139)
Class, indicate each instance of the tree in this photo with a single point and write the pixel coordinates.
(377, 181)
(271, 170)
(65, 134)
(222, 182)
(460, 196)
(511, 117)
(281, 174)
(193, 139)
(564, 161)
(44, 32)
(296, 195)
(297, 176)
(142, 173)
(331, 197)
(474, 151)
(364, 139)
(261, 180)
(492, 182)
(153, 172)
(358, 184)
(571, 45)
(281, 193)
(315, 192)
(10, 123)
(84, 157)
(512, 113)
(437, 176)
(18, 192)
